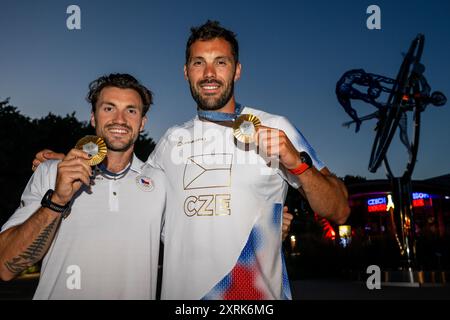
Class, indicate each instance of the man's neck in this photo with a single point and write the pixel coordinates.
(230, 107)
(117, 161)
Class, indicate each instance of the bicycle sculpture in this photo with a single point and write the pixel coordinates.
(409, 92)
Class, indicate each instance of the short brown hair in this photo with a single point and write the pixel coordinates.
(209, 31)
(122, 81)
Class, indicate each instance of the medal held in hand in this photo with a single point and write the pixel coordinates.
(95, 147)
(244, 128)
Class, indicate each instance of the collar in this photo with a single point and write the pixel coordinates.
(137, 165)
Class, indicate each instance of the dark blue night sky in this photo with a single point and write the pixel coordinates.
(293, 53)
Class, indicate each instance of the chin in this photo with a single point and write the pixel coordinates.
(119, 147)
(211, 104)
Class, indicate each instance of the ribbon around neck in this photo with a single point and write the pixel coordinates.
(217, 116)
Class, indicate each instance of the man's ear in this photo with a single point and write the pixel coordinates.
(237, 74)
(185, 72)
(143, 122)
(92, 119)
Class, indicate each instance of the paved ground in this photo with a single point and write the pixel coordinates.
(345, 290)
(302, 290)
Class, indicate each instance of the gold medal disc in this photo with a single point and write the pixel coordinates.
(245, 126)
(95, 147)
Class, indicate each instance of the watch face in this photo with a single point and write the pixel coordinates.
(305, 158)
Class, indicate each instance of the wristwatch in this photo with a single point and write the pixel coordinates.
(47, 202)
(305, 165)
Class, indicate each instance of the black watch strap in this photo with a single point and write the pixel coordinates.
(47, 203)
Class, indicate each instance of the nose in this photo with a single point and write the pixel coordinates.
(120, 117)
(209, 71)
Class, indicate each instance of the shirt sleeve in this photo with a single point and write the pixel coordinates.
(301, 144)
(42, 179)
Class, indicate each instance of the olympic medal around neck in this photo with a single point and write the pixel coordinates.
(95, 147)
(245, 127)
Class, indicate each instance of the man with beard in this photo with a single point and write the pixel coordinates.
(222, 237)
(100, 225)
(98, 235)
(222, 225)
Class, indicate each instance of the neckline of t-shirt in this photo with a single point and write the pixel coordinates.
(196, 118)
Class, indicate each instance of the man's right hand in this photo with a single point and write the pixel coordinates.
(45, 155)
(73, 171)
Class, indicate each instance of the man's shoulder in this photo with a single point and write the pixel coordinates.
(185, 125)
(268, 119)
(46, 167)
(141, 167)
(188, 125)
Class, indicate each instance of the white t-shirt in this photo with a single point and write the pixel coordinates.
(107, 248)
(224, 217)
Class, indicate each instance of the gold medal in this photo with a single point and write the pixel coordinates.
(245, 126)
(95, 147)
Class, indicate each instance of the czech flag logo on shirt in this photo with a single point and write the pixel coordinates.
(145, 183)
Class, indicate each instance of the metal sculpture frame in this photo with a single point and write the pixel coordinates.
(410, 92)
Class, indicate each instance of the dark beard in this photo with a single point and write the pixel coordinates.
(123, 148)
(207, 104)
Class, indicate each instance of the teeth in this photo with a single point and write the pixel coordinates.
(210, 87)
(118, 131)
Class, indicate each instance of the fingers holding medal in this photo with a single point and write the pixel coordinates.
(95, 147)
(274, 143)
(75, 169)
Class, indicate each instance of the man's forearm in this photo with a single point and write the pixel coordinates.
(326, 194)
(24, 245)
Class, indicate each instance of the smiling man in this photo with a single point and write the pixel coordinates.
(223, 223)
(222, 227)
(97, 229)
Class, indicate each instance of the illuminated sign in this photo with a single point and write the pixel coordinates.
(376, 204)
(376, 201)
(422, 202)
(377, 208)
(420, 195)
(421, 199)
(390, 204)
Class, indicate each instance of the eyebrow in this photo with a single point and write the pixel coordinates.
(196, 58)
(130, 106)
(107, 103)
(223, 57)
(216, 58)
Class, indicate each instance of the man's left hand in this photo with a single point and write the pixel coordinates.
(274, 143)
(287, 221)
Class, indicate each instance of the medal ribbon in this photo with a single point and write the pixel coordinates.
(216, 116)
